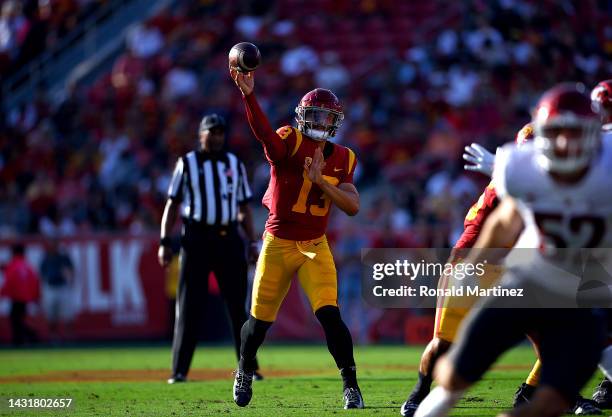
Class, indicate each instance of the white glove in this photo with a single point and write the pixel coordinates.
(480, 158)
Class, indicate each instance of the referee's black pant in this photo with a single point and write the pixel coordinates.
(205, 249)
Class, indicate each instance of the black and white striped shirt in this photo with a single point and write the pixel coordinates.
(210, 189)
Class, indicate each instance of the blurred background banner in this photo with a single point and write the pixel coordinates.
(118, 290)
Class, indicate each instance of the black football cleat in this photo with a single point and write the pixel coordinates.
(603, 394)
(177, 379)
(257, 376)
(243, 390)
(353, 399)
(409, 408)
(523, 394)
(584, 407)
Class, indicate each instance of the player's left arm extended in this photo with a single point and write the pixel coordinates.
(499, 233)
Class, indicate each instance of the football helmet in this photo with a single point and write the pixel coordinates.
(601, 100)
(319, 114)
(524, 135)
(567, 131)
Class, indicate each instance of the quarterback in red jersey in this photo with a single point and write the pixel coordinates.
(307, 174)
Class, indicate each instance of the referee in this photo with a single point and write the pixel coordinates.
(211, 188)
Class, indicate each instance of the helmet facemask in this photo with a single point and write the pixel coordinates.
(318, 123)
(567, 143)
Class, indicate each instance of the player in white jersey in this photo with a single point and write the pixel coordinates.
(560, 185)
(481, 160)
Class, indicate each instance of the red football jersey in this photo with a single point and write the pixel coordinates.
(476, 216)
(299, 210)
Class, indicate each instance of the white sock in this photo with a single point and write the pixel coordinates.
(605, 364)
(438, 403)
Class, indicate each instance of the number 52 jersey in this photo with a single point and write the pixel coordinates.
(566, 215)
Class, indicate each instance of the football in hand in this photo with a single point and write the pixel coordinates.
(244, 56)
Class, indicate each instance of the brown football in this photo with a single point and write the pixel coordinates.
(244, 56)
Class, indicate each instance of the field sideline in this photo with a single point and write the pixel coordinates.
(301, 381)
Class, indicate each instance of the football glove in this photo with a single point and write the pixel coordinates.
(479, 159)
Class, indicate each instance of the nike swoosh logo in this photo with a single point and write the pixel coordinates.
(337, 169)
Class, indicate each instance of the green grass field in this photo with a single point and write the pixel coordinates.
(301, 381)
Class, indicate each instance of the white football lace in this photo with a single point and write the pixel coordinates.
(352, 395)
(243, 380)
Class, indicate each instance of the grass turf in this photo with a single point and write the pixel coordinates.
(312, 389)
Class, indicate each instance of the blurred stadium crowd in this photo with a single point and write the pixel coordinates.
(29, 27)
(419, 80)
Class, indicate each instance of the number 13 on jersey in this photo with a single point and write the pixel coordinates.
(315, 210)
